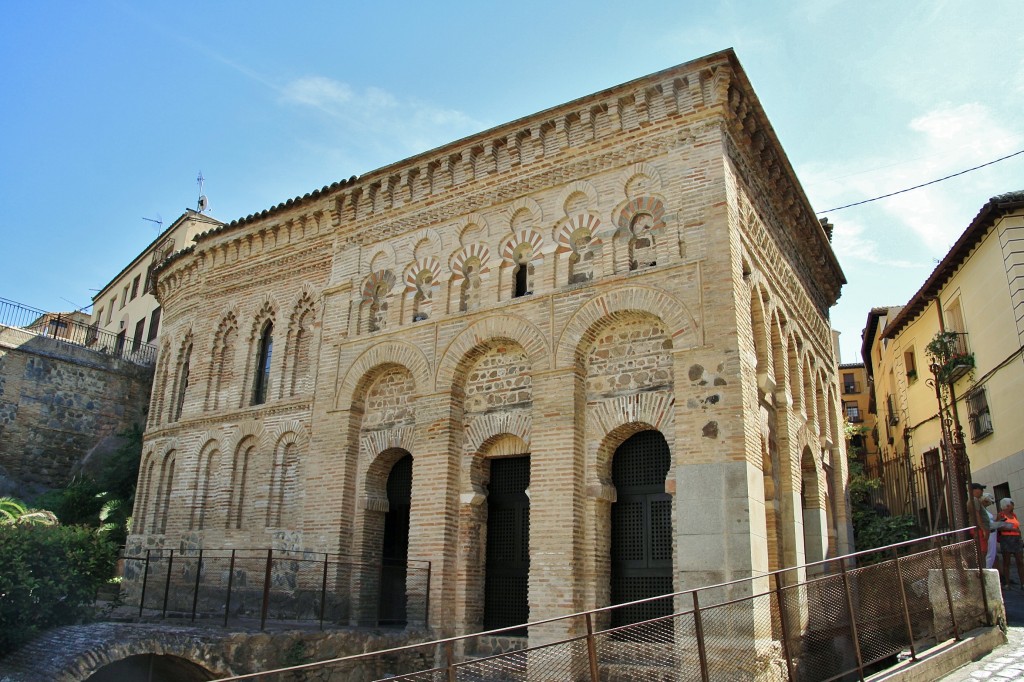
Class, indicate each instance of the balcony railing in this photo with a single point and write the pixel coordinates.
(851, 387)
(67, 330)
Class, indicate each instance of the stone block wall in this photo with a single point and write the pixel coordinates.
(58, 401)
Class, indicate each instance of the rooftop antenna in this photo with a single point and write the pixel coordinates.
(203, 202)
(158, 221)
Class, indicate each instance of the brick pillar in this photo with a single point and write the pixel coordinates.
(433, 522)
(556, 503)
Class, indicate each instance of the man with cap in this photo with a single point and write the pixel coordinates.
(978, 517)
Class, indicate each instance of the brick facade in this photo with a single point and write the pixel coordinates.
(639, 259)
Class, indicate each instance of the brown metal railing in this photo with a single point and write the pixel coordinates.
(918, 490)
(824, 621)
(238, 585)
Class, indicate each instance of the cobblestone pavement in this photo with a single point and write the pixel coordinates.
(1005, 663)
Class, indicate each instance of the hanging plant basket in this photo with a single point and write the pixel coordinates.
(948, 351)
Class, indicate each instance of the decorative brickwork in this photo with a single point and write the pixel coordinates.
(544, 291)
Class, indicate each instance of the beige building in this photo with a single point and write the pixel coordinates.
(577, 359)
(855, 393)
(973, 305)
(125, 311)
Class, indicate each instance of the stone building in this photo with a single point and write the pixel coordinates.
(580, 358)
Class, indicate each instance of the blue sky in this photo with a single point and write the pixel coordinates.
(112, 108)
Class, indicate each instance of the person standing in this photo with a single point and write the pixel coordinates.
(979, 519)
(990, 556)
(1009, 540)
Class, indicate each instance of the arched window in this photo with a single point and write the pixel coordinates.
(642, 253)
(183, 371)
(261, 384)
(521, 271)
(470, 290)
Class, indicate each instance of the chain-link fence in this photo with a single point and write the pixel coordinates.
(846, 616)
(275, 585)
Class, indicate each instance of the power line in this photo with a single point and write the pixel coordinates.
(892, 194)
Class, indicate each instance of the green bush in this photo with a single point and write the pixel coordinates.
(48, 577)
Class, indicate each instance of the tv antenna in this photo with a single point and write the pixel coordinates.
(203, 202)
(158, 221)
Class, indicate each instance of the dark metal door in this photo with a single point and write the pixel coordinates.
(506, 597)
(641, 547)
(396, 544)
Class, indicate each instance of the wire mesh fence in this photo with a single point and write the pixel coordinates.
(268, 585)
(845, 616)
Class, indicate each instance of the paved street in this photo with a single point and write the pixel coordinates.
(1005, 663)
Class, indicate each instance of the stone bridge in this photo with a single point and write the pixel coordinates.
(126, 652)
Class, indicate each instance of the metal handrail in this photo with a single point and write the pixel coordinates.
(938, 540)
(66, 330)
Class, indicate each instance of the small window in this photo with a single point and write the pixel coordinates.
(849, 383)
(910, 365)
(154, 325)
(183, 383)
(124, 295)
(852, 410)
(99, 316)
(110, 310)
(979, 415)
(262, 378)
(135, 286)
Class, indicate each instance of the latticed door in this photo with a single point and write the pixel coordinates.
(396, 544)
(506, 597)
(641, 547)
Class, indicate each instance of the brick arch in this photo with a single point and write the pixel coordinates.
(494, 328)
(647, 204)
(645, 169)
(413, 270)
(385, 277)
(249, 429)
(566, 228)
(463, 223)
(618, 434)
(382, 257)
(582, 326)
(110, 643)
(294, 428)
(375, 479)
(525, 204)
(386, 353)
(498, 444)
(579, 187)
(434, 245)
(512, 242)
(457, 262)
(486, 427)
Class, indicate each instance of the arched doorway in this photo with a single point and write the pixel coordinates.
(152, 668)
(395, 547)
(641, 538)
(507, 566)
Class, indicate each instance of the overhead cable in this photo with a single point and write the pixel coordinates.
(892, 194)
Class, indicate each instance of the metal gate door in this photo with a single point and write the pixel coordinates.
(641, 547)
(396, 544)
(508, 544)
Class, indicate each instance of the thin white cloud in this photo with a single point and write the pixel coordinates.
(849, 241)
(413, 124)
(939, 142)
